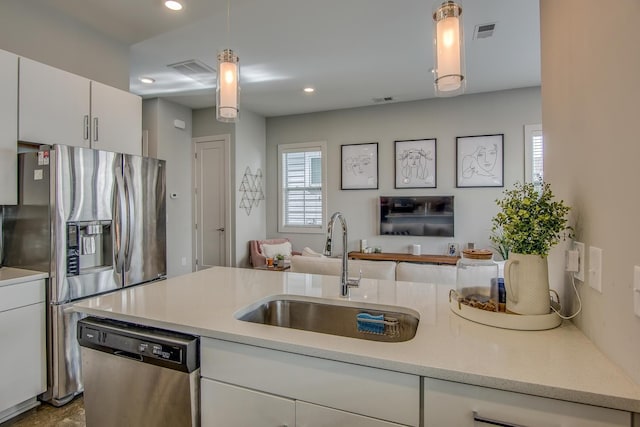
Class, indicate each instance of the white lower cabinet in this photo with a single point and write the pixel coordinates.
(253, 378)
(453, 404)
(310, 415)
(23, 338)
(231, 406)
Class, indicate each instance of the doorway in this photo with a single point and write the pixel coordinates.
(211, 202)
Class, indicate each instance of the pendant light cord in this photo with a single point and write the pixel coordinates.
(228, 24)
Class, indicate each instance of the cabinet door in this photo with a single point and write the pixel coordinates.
(461, 405)
(8, 127)
(226, 405)
(22, 359)
(116, 123)
(310, 415)
(54, 105)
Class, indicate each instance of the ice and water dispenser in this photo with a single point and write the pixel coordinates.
(89, 247)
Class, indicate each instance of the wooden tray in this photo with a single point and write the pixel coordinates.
(518, 322)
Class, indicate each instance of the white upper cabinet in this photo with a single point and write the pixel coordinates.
(8, 128)
(57, 107)
(54, 105)
(116, 123)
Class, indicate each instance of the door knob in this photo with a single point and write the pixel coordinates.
(220, 229)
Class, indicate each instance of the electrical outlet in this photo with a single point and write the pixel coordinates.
(579, 246)
(595, 268)
(636, 290)
(572, 261)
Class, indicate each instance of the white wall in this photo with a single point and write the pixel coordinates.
(498, 112)
(34, 30)
(173, 145)
(590, 67)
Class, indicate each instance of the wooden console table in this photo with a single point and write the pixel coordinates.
(397, 257)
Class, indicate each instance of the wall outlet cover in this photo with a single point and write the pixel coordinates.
(636, 290)
(579, 275)
(595, 268)
(572, 263)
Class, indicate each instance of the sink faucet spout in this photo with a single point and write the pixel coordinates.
(345, 282)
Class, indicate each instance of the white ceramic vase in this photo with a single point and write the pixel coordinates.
(526, 280)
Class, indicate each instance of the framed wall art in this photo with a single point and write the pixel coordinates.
(480, 161)
(359, 166)
(415, 163)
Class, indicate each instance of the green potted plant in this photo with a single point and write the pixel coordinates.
(279, 260)
(528, 225)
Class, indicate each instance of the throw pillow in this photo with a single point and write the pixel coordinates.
(307, 251)
(270, 251)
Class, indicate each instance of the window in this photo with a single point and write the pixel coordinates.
(533, 155)
(302, 189)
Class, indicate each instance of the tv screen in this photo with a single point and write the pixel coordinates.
(416, 216)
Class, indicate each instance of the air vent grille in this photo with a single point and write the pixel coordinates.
(484, 31)
(195, 70)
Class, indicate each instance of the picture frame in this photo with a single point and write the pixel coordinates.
(415, 163)
(359, 166)
(480, 161)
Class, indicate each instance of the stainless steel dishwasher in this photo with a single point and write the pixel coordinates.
(138, 376)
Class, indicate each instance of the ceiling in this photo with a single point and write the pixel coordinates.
(350, 51)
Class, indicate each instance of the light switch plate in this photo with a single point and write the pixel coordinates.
(636, 290)
(579, 246)
(595, 268)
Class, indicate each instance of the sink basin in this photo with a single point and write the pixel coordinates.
(362, 322)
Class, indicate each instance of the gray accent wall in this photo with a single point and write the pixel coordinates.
(590, 68)
(498, 112)
(173, 145)
(32, 29)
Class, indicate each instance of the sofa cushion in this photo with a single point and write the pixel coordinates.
(307, 251)
(427, 273)
(382, 270)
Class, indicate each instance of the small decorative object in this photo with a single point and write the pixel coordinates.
(452, 249)
(251, 190)
(477, 279)
(359, 166)
(528, 225)
(480, 161)
(415, 164)
(279, 261)
(269, 262)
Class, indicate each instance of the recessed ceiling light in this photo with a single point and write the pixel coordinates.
(147, 80)
(173, 5)
(309, 90)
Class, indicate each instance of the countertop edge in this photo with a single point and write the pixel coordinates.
(19, 275)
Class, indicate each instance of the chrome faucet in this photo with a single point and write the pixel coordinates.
(345, 282)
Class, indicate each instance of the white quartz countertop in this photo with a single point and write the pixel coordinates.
(560, 363)
(12, 276)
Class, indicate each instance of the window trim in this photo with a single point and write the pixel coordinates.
(297, 147)
(529, 132)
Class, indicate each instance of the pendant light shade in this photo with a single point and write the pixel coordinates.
(448, 40)
(228, 87)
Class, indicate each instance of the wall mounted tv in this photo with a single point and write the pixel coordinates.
(416, 216)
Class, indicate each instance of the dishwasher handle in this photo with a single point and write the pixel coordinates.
(128, 355)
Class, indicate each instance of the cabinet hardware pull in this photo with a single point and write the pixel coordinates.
(482, 419)
(86, 127)
(95, 129)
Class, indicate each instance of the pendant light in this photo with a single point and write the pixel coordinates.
(228, 84)
(448, 41)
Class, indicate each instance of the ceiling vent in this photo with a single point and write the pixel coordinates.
(484, 31)
(383, 99)
(195, 70)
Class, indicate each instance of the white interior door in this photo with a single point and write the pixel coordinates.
(212, 236)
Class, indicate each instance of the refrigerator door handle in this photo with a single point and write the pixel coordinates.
(129, 218)
(123, 224)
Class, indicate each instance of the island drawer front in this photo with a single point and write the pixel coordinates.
(455, 404)
(21, 294)
(372, 392)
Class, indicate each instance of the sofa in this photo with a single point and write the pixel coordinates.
(259, 250)
(382, 270)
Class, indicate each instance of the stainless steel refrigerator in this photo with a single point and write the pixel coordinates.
(96, 222)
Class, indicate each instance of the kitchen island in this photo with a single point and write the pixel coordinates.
(559, 364)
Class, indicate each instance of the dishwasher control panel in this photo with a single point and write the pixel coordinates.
(141, 343)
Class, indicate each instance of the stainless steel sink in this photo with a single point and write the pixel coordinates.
(343, 320)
